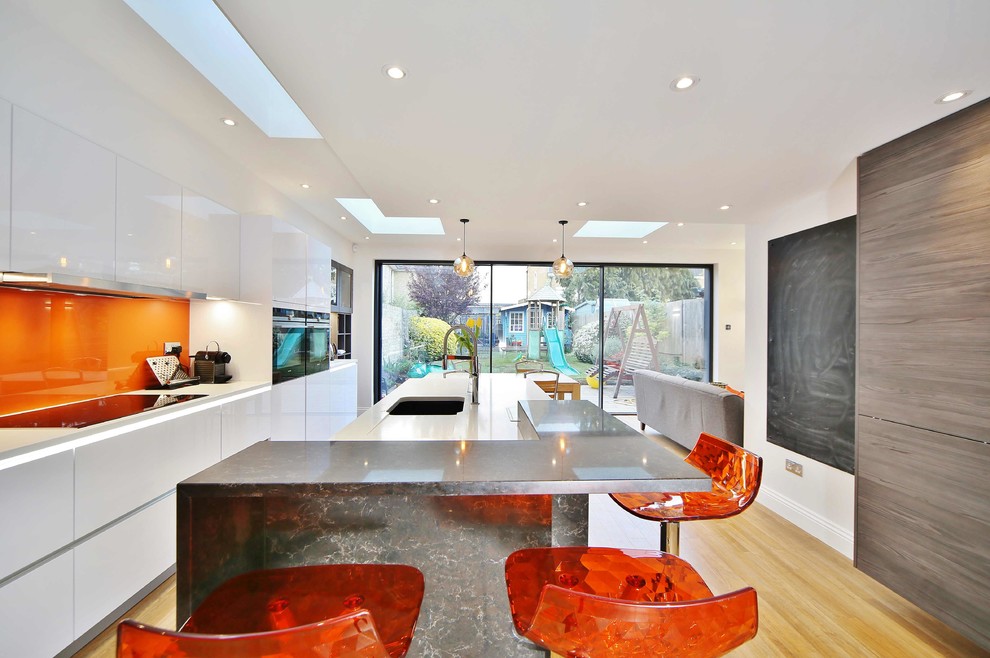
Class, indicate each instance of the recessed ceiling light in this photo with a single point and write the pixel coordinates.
(367, 237)
(732, 243)
(645, 241)
(201, 33)
(685, 82)
(305, 186)
(229, 122)
(954, 96)
(582, 204)
(617, 229)
(458, 239)
(434, 201)
(555, 239)
(724, 207)
(343, 217)
(680, 224)
(394, 72)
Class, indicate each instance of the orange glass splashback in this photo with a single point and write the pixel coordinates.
(59, 347)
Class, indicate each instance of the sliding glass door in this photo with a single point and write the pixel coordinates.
(596, 327)
(655, 318)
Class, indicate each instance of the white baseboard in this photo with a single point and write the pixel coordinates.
(811, 522)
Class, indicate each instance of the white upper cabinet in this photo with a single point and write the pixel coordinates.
(288, 264)
(318, 293)
(62, 201)
(149, 227)
(211, 251)
(4, 185)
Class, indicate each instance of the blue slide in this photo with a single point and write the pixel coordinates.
(555, 351)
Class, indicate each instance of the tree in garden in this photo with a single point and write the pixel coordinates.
(662, 284)
(441, 293)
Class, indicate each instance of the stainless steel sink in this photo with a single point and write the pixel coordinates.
(427, 407)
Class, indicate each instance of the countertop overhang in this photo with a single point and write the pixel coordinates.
(559, 466)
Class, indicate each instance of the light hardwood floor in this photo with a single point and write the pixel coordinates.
(812, 601)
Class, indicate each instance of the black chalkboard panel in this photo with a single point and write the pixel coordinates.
(811, 362)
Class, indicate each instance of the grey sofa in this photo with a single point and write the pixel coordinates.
(682, 409)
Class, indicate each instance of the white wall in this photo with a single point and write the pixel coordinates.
(730, 354)
(822, 502)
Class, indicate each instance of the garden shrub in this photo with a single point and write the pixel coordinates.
(428, 333)
(586, 342)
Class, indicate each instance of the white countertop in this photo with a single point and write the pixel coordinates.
(21, 445)
(494, 418)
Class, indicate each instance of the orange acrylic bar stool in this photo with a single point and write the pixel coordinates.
(735, 473)
(606, 602)
(339, 610)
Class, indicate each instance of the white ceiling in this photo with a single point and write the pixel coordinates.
(515, 110)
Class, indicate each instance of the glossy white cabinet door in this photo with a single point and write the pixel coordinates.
(289, 410)
(5, 111)
(211, 250)
(318, 256)
(116, 475)
(149, 227)
(318, 406)
(62, 201)
(115, 564)
(343, 396)
(288, 264)
(35, 510)
(256, 256)
(245, 422)
(36, 611)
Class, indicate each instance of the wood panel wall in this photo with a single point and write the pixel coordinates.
(923, 371)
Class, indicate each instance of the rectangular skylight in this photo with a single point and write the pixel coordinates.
(604, 229)
(367, 212)
(199, 31)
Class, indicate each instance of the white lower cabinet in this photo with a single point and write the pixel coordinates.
(318, 406)
(116, 475)
(289, 410)
(343, 397)
(35, 511)
(36, 611)
(112, 566)
(245, 422)
(118, 494)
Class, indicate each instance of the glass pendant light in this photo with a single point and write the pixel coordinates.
(463, 264)
(563, 267)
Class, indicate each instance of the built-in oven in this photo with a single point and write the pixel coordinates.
(288, 344)
(318, 351)
(300, 343)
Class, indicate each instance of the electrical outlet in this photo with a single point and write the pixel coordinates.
(794, 467)
(172, 345)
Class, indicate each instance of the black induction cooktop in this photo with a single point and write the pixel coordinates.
(90, 412)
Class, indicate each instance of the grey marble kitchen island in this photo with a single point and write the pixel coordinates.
(455, 509)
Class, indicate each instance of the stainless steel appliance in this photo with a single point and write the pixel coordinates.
(211, 366)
